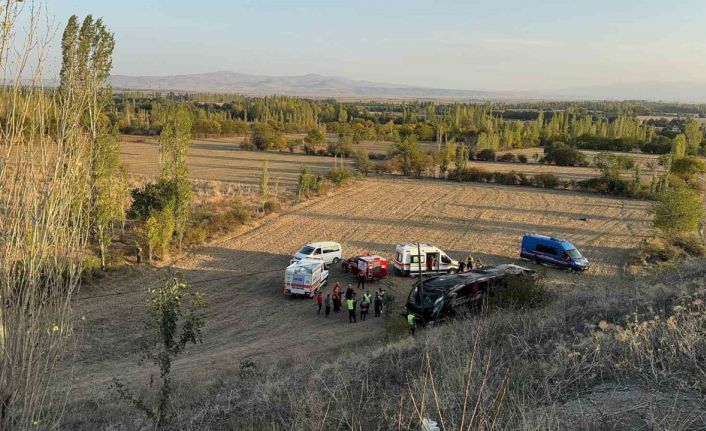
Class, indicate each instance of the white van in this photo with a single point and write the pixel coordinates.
(433, 260)
(328, 251)
(305, 277)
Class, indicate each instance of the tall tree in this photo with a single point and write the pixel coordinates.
(174, 143)
(679, 146)
(694, 136)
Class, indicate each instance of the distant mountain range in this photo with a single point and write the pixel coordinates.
(313, 85)
(305, 85)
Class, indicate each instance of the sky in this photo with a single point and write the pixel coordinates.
(475, 44)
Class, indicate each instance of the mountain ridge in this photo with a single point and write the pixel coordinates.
(316, 85)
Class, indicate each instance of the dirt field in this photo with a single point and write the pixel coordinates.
(250, 318)
(223, 160)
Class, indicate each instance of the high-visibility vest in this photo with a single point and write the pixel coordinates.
(350, 304)
(410, 319)
(366, 298)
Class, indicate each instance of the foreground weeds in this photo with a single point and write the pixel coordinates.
(629, 358)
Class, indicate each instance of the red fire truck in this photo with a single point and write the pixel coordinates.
(374, 267)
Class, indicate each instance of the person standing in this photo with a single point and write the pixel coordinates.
(336, 297)
(350, 304)
(461, 266)
(411, 323)
(327, 304)
(361, 279)
(365, 306)
(349, 292)
(470, 262)
(434, 264)
(319, 301)
(378, 304)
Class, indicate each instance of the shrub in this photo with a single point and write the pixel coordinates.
(377, 156)
(678, 211)
(609, 185)
(519, 292)
(486, 155)
(507, 157)
(382, 167)
(692, 244)
(547, 181)
(561, 155)
(339, 176)
(522, 158)
(688, 167)
(270, 206)
(361, 161)
(152, 197)
(507, 178)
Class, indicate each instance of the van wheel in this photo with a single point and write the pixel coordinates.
(336, 260)
(452, 271)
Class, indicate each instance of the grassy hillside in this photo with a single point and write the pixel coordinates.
(625, 356)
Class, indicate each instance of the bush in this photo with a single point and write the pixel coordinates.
(153, 197)
(506, 178)
(522, 158)
(609, 185)
(547, 181)
(377, 156)
(519, 292)
(507, 157)
(382, 167)
(486, 155)
(270, 205)
(692, 244)
(339, 176)
(678, 211)
(561, 155)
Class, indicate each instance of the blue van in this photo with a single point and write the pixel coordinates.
(545, 249)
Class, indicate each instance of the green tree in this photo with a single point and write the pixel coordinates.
(461, 159)
(174, 141)
(306, 183)
(407, 150)
(87, 54)
(361, 161)
(679, 146)
(314, 137)
(687, 168)
(679, 210)
(693, 135)
(175, 319)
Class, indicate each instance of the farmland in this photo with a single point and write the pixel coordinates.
(224, 161)
(250, 319)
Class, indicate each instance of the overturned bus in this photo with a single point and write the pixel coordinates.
(453, 294)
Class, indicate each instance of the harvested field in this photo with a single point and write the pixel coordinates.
(224, 161)
(250, 318)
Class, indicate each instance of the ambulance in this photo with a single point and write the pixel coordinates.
(433, 260)
(305, 277)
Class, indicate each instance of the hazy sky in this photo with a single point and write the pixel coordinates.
(480, 45)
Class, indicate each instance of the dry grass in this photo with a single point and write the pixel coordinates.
(623, 357)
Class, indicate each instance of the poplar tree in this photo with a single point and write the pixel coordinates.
(174, 143)
(86, 63)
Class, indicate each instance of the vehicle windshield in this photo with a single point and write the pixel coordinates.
(307, 250)
(573, 253)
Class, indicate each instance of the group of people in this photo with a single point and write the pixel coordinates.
(335, 300)
(469, 264)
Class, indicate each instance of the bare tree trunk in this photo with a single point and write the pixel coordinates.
(43, 227)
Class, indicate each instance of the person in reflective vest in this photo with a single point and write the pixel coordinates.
(350, 304)
(411, 323)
